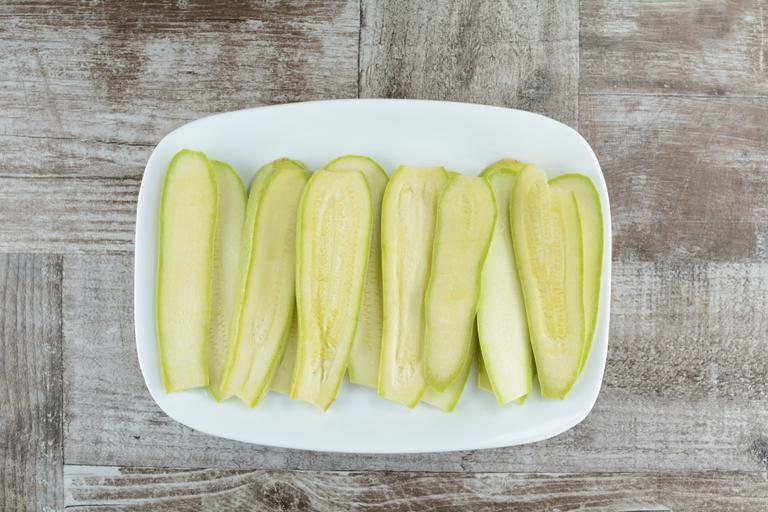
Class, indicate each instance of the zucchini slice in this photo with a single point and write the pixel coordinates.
(267, 300)
(333, 244)
(226, 258)
(281, 382)
(366, 349)
(501, 322)
(188, 210)
(591, 214)
(466, 217)
(447, 400)
(408, 213)
(546, 232)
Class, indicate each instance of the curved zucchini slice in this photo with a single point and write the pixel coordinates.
(546, 231)
(501, 322)
(333, 243)
(591, 214)
(267, 301)
(188, 210)
(408, 213)
(366, 349)
(466, 217)
(226, 258)
(505, 166)
(281, 382)
(447, 400)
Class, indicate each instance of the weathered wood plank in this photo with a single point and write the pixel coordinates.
(87, 90)
(68, 214)
(672, 47)
(31, 461)
(686, 175)
(141, 71)
(684, 388)
(520, 54)
(96, 488)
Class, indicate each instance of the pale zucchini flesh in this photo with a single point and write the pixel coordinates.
(466, 217)
(266, 304)
(591, 215)
(281, 381)
(226, 258)
(188, 210)
(446, 400)
(333, 244)
(546, 231)
(501, 320)
(366, 349)
(408, 213)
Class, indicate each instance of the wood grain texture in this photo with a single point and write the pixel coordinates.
(683, 390)
(520, 54)
(118, 72)
(686, 175)
(87, 90)
(74, 214)
(672, 47)
(98, 488)
(30, 383)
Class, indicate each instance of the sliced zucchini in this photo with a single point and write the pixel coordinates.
(466, 217)
(333, 244)
(267, 301)
(447, 400)
(366, 349)
(591, 215)
(281, 381)
(482, 376)
(226, 258)
(501, 322)
(506, 165)
(408, 213)
(546, 232)
(188, 209)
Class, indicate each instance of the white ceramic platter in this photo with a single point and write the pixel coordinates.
(462, 137)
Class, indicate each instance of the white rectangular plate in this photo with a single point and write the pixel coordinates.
(462, 137)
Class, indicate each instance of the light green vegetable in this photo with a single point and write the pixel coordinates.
(281, 381)
(366, 350)
(267, 300)
(408, 214)
(546, 231)
(591, 215)
(226, 258)
(447, 400)
(188, 210)
(333, 244)
(501, 321)
(466, 217)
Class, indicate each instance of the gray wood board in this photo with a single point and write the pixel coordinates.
(521, 54)
(96, 488)
(31, 453)
(670, 48)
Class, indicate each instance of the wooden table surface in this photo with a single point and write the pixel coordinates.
(673, 97)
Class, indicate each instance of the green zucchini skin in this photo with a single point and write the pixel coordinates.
(187, 229)
(333, 239)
